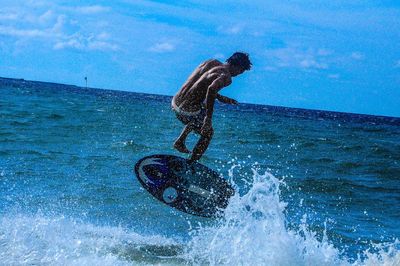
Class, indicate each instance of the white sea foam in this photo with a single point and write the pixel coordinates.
(37, 240)
(254, 231)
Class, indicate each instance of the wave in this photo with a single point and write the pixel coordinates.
(62, 241)
(253, 231)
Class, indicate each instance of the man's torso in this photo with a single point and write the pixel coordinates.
(191, 96)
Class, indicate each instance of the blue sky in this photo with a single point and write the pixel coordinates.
(329, 55)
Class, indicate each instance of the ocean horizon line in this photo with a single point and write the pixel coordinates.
(319, 112)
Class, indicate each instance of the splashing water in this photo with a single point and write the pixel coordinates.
(254, 231)
(42, 240)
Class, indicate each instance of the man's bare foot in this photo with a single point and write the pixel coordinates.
(180, 146)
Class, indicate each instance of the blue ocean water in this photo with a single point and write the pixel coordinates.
(314, 188)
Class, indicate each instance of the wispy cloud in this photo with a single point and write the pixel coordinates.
(270, 68)
(92, 43)
(58, 26)
(294, 57)
(5, 16)
(102, 46)
(72, 43)
(357, 56)
(11, 31)
(46, 17)
(312, 63)
(334, 76)
(45, 28)
(88, 10)
(324, 52)
(233, 29)
(397, 64)
(162, 47)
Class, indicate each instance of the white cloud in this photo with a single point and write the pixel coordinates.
(73, 43)
(45, 31)
(91, 43)
(294, 57)
(324, 52)
(334, 76)
(102, 46)
(270, 68)
(258, 33)
(11, 31)
(162, 47)
(58, 26)
(5, 16)
(46, 17)
(397, 65)
(103, 36)
(235, 29)
(357, 56)
(95, 9)
(312, 63)
(37, 3)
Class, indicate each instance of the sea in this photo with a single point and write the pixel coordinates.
(312, 187)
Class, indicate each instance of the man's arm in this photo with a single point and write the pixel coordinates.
(224, 99)
(212, 92)
(211, 95)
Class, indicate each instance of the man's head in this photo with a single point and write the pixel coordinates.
(238, 63)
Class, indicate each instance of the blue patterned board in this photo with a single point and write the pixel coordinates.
(191, 188)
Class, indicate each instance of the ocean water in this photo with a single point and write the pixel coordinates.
(314, 188)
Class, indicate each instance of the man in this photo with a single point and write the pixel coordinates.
(194, 102)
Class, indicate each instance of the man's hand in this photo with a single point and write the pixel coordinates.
(226, 100)
(233, 101)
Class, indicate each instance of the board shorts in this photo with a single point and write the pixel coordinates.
(195, 119)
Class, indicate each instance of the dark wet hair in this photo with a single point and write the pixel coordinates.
(240, 59)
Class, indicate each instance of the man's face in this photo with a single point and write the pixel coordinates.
(236, 70)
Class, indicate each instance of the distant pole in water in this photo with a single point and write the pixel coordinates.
(86, 81)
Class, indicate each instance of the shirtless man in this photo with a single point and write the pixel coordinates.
(194, 102)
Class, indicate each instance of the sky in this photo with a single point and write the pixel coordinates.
(328, 55)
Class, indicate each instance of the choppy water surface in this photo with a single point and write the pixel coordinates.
(315, 188)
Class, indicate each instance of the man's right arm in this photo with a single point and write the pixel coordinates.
(224, 99)
(211, 95)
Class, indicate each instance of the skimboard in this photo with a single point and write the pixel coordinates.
(189, 187)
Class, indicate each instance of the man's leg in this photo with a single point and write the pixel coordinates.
(200, 147)
(179, 143)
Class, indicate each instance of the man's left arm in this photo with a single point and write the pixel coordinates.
(224, 99)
